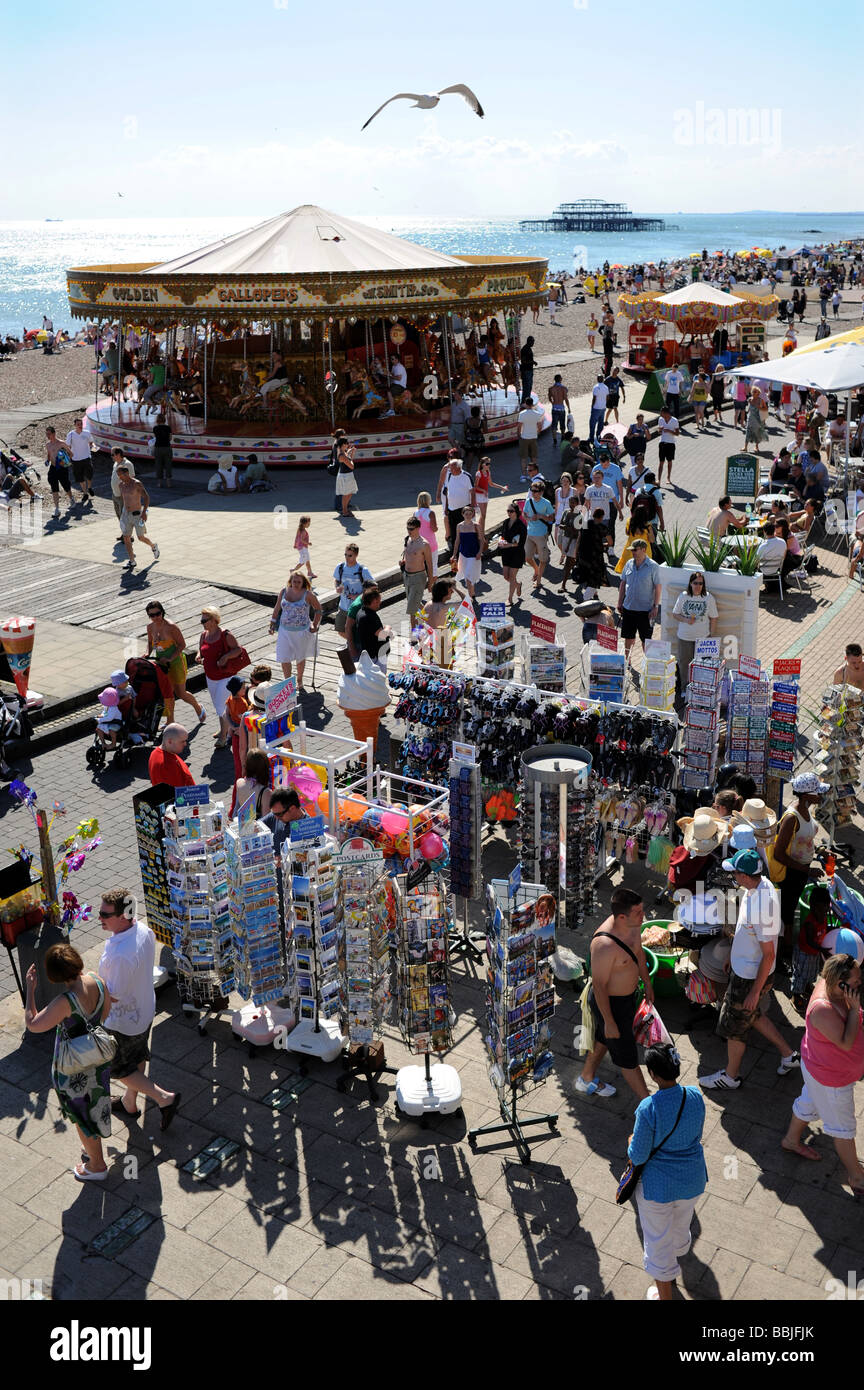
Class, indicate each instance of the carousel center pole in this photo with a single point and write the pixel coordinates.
(205, 375)
(332, 392)
(447, 358)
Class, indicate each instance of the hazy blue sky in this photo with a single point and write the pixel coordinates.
(191, 108)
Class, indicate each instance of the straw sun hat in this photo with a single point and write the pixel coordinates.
(756, 814)
(703, 832)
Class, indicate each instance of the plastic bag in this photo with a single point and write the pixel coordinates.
(648, 1026)
(566, 965)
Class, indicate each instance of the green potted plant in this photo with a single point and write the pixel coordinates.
(672, 547)
(748, 557)
(712, 554)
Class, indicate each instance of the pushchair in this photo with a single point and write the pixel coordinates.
(15, 730)
(607, 449)
(140, 725)
(16, 475)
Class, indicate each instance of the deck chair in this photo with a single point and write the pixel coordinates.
(772, 570)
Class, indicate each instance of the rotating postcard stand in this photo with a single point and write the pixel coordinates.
(365, 905)
(423, 997)
(313, 941)
(197, 879)
(520, 1002)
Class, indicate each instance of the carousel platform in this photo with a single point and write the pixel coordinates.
(295, 444)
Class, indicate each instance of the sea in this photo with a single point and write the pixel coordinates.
(34, 256)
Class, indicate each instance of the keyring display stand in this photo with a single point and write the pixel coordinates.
(558, 824)
(520, 1002)
(466, 830)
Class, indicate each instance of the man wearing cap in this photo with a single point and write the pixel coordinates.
(751, 975)
(166, 763)
(638, 597)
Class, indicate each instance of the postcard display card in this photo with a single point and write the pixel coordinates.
(466, 826)
(314, 935)
(365, 905)
(747, 725)
(545, 664)
(423, 971)
(520, 995)
(151, 857)
(496, 645)
(253, 904)
(841, 729)
(701, 733)
(197, 876)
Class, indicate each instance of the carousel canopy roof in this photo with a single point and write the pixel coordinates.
(308, 240)
(698, 293)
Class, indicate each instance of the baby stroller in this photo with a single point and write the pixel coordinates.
(607, 449)
(140, 720)
(15, 730)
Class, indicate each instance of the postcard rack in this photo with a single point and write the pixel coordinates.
(365, 903)
(423, 1005)
(520, 1002)
(314, 943)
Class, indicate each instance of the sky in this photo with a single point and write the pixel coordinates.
(191, 108)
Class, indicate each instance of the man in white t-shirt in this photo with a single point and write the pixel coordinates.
(672, 383)
(772, 550)
(599, 397)
(78, 443)
(601, 495)
(669, 431)
(751, 974)
(530, 420)
(127, 969)
(398, 375)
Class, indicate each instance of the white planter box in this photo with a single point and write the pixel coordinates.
(737, 599)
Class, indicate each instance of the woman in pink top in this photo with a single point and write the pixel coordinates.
(428, 524)
(832, 1060)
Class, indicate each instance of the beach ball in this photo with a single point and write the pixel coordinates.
(394, 822)
(351, 809)
(430, 845)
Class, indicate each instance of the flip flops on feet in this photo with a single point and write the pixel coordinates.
(85, 1174)
(594, 1088)
(169, 1111)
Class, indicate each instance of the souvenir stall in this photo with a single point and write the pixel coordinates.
(197, 878)
(520, 1003)
(466, 841)
(703, 316)
(258, 940)
(366, 919)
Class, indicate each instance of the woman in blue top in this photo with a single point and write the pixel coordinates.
(673, 1176)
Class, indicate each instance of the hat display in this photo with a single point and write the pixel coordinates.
(703, 832)
(807, 783)
(744, 861)
(754, 812)
(743, 837)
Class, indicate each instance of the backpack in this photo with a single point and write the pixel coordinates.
(649, 497)
(548, 490)
(473, 434)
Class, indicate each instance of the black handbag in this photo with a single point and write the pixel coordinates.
(632, 1173)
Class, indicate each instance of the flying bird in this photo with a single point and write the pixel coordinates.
(427, 100)
(121, 195)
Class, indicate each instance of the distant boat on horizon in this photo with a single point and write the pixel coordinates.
(53, 219)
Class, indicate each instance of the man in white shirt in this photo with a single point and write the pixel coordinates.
(601, 495)
(672, 383)
(599, 396)
(118, 458)
(772, 550)
(126, 967)
(456, 491)
(751, 974)
(669, 431)
(398, 375)
(78, 443)
(530, 420)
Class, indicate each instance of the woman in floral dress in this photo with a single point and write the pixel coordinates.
(85, 1097)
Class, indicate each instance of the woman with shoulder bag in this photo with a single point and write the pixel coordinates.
(296, 619)
(346, 483)
(665, 1152)
(218, 650)
(81, 1069)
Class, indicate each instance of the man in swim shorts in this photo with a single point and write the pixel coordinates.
(617, 965)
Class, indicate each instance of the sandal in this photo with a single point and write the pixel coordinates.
(85, 1174)
(118, 1108)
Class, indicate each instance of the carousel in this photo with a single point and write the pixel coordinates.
(267, 341)
(703, 317)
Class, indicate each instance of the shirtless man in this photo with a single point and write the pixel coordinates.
(616, 968)
(133, 516)
(722, 519)
(852, 670)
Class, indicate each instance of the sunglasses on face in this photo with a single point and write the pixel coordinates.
(104, 914)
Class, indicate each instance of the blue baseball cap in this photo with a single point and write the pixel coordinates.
(745, 861)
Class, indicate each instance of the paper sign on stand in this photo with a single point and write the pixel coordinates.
(281, 699)
(607, 637)
(707, 649)
(514, 881)
(465, 752)
(198, 795)
(492, 612)
(543, 628)
(309, 828)
(657, 648)
(787, 667)
(357, 851)
(246, 816)
(750, 666)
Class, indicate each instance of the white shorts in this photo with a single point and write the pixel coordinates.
(303, 555)
(665, 1234)
(131, 521)
(346, 485)
(833, 1105)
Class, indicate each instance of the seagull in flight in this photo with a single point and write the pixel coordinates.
(427, 100)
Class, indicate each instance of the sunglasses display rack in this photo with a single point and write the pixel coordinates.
(558, 827)
(314, 947)
(197, 877)
(520, 1003)
(423, 997)
(747, 724)
(838, 762)
(701, 723)
(430, 703)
